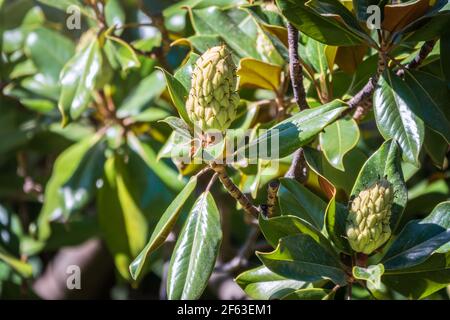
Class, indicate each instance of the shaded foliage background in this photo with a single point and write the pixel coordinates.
(85, 168)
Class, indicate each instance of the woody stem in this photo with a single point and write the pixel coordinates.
(234, 191)
(272, 190)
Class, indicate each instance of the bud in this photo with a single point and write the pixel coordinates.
(213, 99)
(368, 220)
(267, 50)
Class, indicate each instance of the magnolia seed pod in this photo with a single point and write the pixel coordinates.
(369, 216)
(213, 99)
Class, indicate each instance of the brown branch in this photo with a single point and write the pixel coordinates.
(348, 294)
(99, 14)
(298, 168)
(211, 182)
(424, 51)
(272, 190)
(295, 68)
(362, 101)
(234, 191)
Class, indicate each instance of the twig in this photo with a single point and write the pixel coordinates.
(234, 191)
(424, 51)
(203, 171)
(272, 190)
(295, 68)
(29, 185)
(298, 168)
(99, 14)
(211, 182)
(163, 285)
(348, 295)
(362, 101)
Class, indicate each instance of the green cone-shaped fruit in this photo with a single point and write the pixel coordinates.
(368, 220)
(213, 99)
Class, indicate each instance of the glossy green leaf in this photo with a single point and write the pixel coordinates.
(301, 258)
(335, 222)
(80, 188)
(168, 175)
(262, 284)
(310, 294)
(196, 251)
(342, 180)
(122, 53)
(180, 127)
(314, 54)
(262, 15)
(184, 73)
(310, 22)
(436, 147)
(432, 95)
(64, 4)
(201, 43)
(385, 163)
(148, 89)
(419, 239)
(420, 281)
(49, 51)
(393, 101)
(200, 4)
(11, 231)
(296, 199)
(279, 227)
(299, 129)
(65, 166)
(335, 10)
(178, 93)
(177, 147)
(337, 139)
(13, 13)
(114, 13)
(23, 268)
(70, 233)
(430, 25)
(445, 52)
(42, 85)
(121, 221)
(78, 79)
(371, 274)
(215, 21)
(151, 115)
(162, 229)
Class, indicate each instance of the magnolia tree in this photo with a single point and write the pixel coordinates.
(281, 149)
